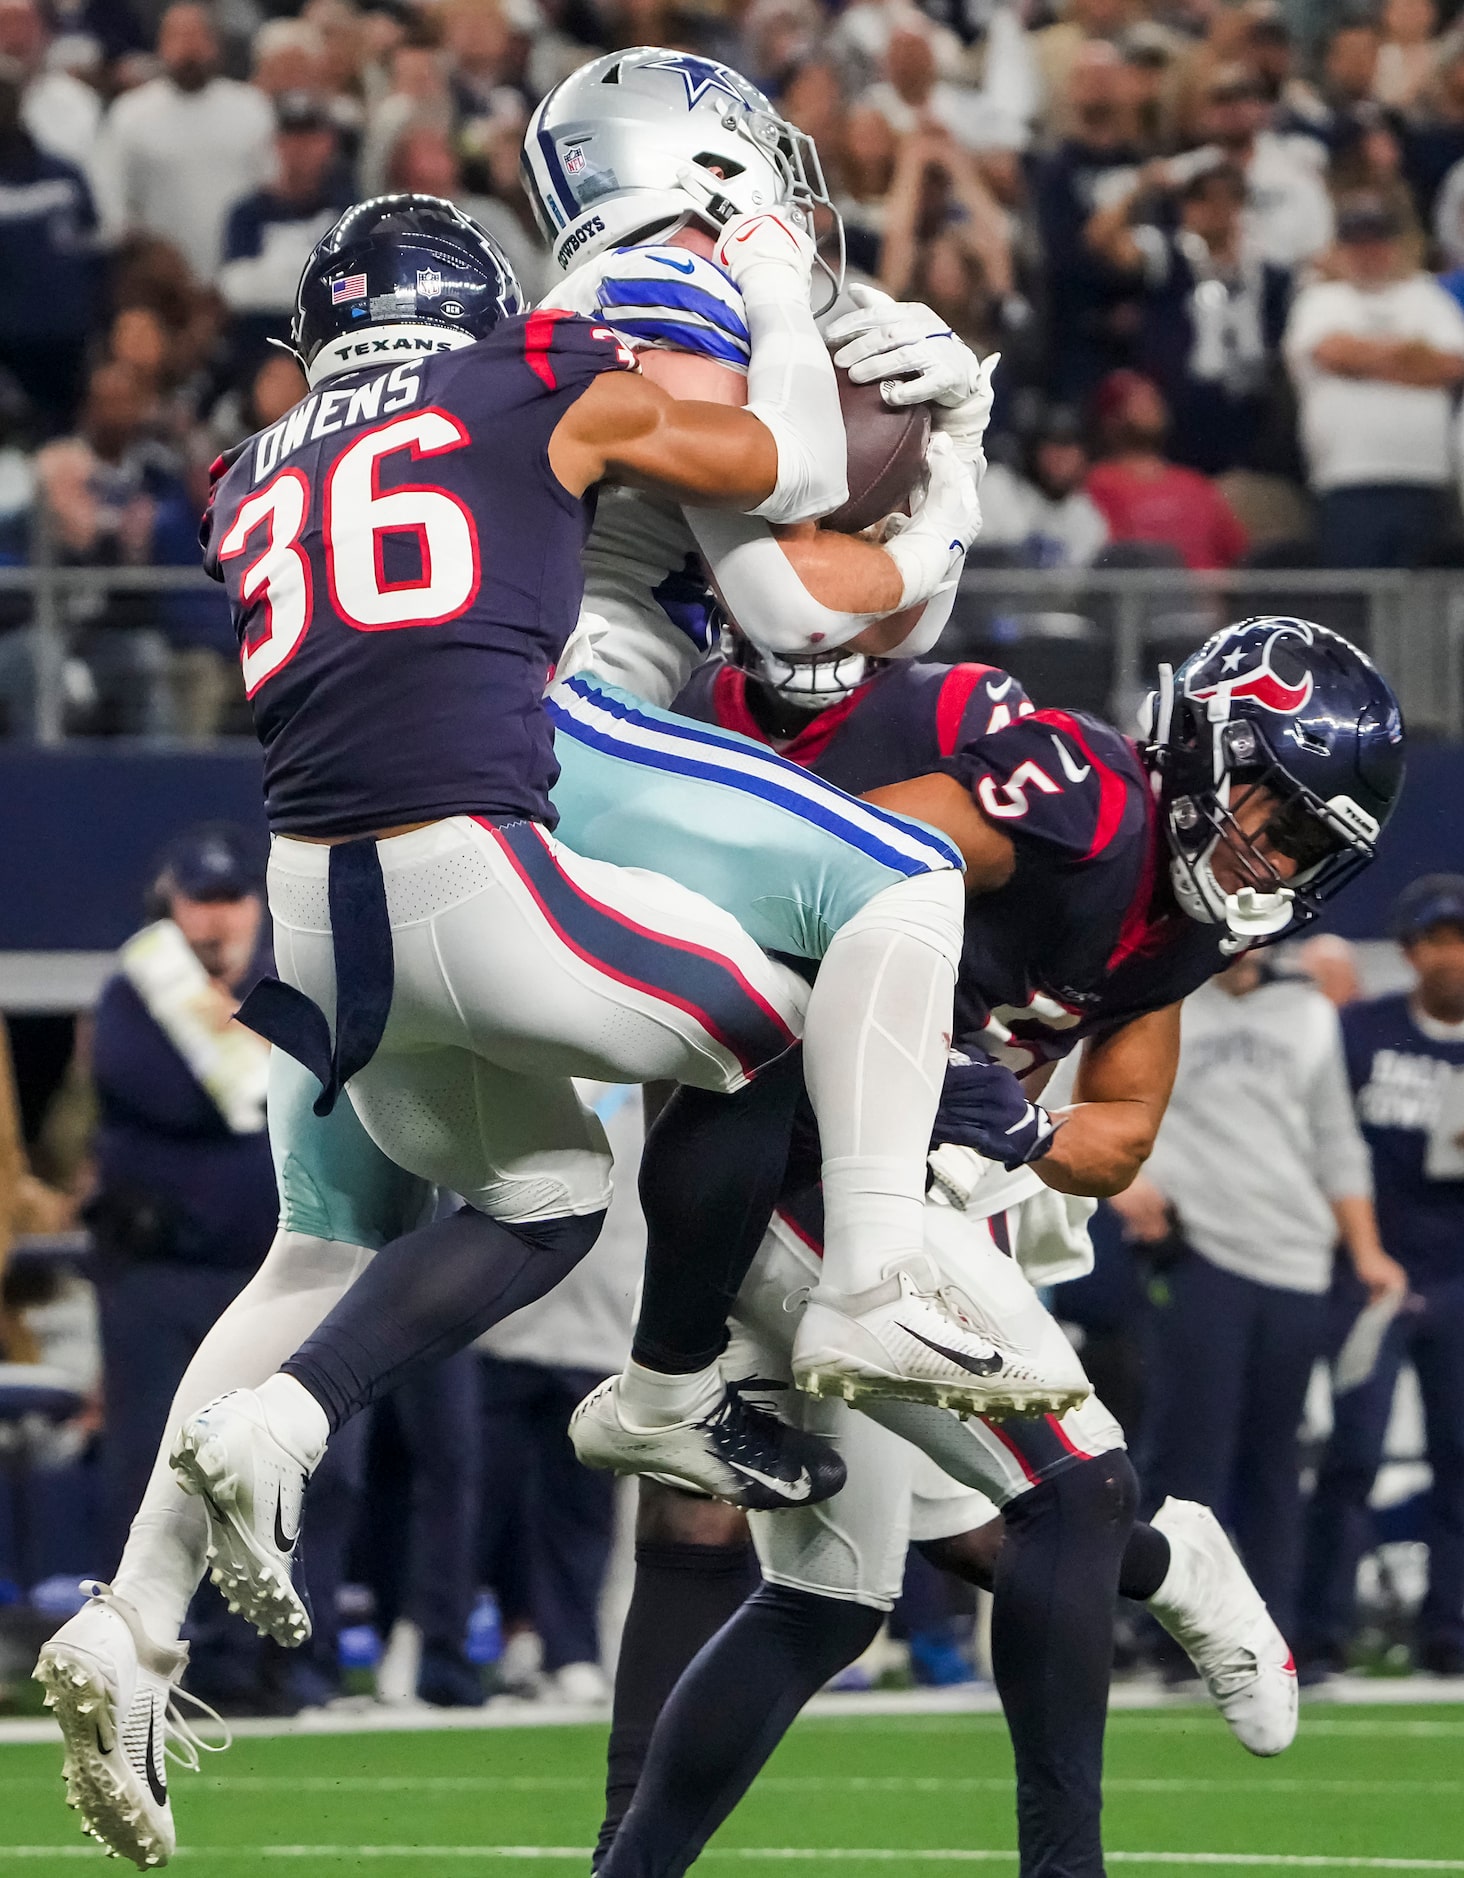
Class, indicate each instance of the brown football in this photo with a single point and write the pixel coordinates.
(886, 454)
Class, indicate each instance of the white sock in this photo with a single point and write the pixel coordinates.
(875, 1044)
(295, 1417)
(298, 1284)
(651, 1399)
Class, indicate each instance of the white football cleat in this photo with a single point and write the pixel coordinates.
(740, 1452)
(1209, 1606)
(252, 1485)
(920, 1338)
(115, 1696)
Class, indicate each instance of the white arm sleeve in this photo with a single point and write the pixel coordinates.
(761, 589)
(926, 630)
(791, 386)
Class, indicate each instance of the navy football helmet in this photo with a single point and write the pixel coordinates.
(1292, 708)
(412, 271)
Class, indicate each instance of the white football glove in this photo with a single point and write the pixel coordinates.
(766, 238)
(889, 340)
(945, 518)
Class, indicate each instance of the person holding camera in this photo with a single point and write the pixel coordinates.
(1211, 311)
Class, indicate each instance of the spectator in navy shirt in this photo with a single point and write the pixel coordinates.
(1403, 1054)
(270, 234)
(48, 262)
(1091, 303)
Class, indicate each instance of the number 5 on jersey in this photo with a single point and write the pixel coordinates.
(357, 518)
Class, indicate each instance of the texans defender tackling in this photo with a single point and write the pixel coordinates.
(1273, 760)
(402, 556)
(341, 1197)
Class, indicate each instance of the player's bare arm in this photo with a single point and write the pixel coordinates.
(941, 802)
(626, 430)
(1121, 1092)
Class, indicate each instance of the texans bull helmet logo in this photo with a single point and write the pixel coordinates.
(1245, 665)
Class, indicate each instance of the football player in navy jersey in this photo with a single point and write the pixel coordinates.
(1276, 752)
(1405, 1053)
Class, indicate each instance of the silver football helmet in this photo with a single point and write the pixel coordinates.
(637, 144)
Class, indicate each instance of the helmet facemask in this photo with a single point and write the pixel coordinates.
(1210, 768)
(803, 687)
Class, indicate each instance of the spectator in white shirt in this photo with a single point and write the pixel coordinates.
(1288, 216)
(911, 95)
(1376, 356)
(1043, 512)
(59, 111)
(179, 150)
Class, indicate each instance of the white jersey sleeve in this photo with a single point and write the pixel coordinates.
(643, 573)
(658, 296)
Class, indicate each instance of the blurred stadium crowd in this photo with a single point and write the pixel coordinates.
(1220, 247)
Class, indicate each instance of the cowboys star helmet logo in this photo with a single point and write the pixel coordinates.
(700, 76)
(1247, 668)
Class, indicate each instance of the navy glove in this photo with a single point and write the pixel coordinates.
(984, 1107)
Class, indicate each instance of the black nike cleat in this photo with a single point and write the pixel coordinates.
(917, 1338)
(741, 1453)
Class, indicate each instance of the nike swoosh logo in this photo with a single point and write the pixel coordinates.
(1021, 1122)
(974, 1365)
(997, 692)
(791, 1490)
(103, 1745)
(285, 1541)
(1070, 769)
(681, 267)
(157, 1785)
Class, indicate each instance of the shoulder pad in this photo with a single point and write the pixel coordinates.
(560, 348)
(1055, 777)
(974, 701)
(671, 297)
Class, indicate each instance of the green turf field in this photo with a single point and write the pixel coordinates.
(1363, 1789)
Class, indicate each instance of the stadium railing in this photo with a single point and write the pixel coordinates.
(1093, 638)
(1090, 638)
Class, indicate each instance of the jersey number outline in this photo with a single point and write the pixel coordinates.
(1009, 801)
(357, 516)
(280, 576)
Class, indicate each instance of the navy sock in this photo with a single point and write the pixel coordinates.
(683, 1595)
(725, 1717)
(1052, 1655)
(709, 1179)
(429, 1294)
(1145, 1563)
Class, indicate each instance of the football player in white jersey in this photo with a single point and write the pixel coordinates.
(1040, 1511)
(632, 165)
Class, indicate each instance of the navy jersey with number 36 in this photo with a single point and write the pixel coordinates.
(403, 569)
